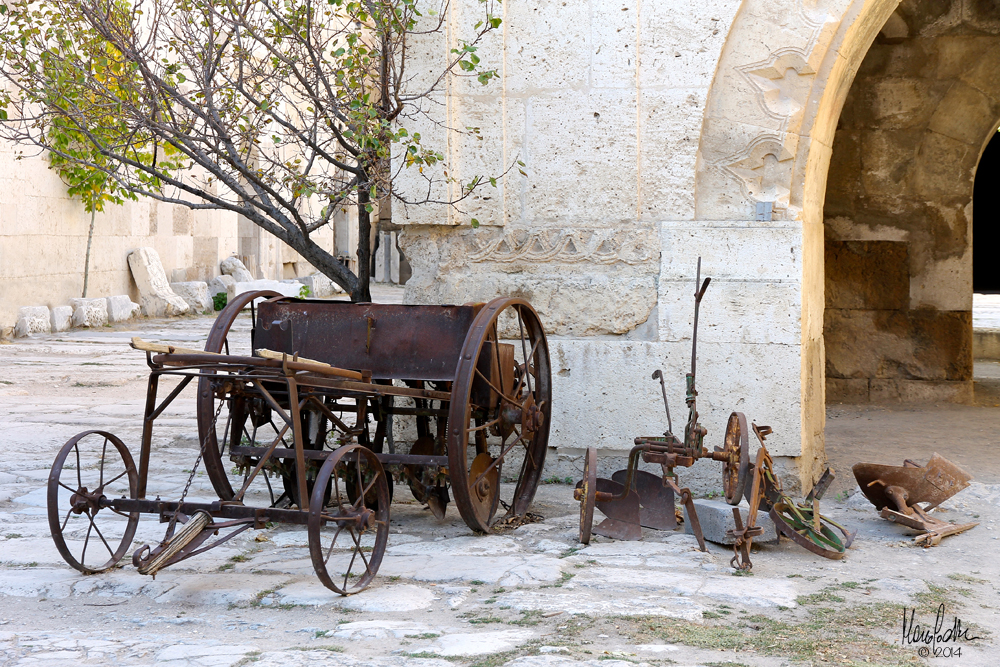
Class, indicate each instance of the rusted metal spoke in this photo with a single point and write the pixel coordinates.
(118, 477)
(333, 543)
(101, 535)
(79, 477)
(360, 501)
(370, 485)
(354, 555)
(66, 520)
(67, 488)
(260, 464)
(120, 513)
(361, 550)
(104, 454)
(494, 388)
(86, 541)
(524, 349)
(484, 426)
(496, 461)
(527, 369)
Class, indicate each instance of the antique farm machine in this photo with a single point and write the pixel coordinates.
(300, 429)
(634, 498)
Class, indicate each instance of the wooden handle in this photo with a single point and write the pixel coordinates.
(301, 363)
(297, 363)
(146, 346)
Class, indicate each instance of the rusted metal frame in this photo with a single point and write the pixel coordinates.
(322, 455)
(259, 386)
(300, 460)
(147, 433)
(192, 548)
(169, 399)
(265, 457)
(494, 388)
(329, 414)
(221, 509)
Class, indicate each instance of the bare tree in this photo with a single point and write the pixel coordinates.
(283, 111)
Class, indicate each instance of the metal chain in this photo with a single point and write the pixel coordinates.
(194, 469)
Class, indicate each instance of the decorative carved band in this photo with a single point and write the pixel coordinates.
(569, 246)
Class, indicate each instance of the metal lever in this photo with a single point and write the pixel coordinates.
(658, 375)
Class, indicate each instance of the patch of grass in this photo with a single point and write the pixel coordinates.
(394, 577)
(935, 596)
(850, 584)
(332, 648)
(823, 597)
(424, 635)
(482, 620)
(498, 591)
(742, 573)
(226, 566)
(710, 614)
(489, 601)
(566, 576)
(32, 564)
(6, 382)
(954, 576)
(477, 582)
(825, 634)
(13, 536)
(793, 576)
(557, 480)
(249, 658)
(239, 558)
(496, 659)
(569, 552)
(725, 664)
(530, 618)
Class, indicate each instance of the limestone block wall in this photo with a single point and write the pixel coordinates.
(898, 212)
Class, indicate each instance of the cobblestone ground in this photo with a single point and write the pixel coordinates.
(528, 597)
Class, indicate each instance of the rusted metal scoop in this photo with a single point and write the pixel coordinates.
(896, 491)
(655, 500)
(624, 514)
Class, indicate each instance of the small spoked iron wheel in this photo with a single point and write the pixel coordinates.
(90, 469)
(347, 538)
(736, 466)
(498, 419)
(586, 493)
(219, 428)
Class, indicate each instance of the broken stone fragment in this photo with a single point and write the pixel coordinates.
(89, 312)
(62, 318)
(195, 295)
(222, 285)
(716, 518)
(232, 266)
(155, 295)
(121, 308)
(32, 319)
(320, 286)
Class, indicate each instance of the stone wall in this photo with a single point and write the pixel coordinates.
(898, 213)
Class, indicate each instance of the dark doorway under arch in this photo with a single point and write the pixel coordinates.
(986, 220)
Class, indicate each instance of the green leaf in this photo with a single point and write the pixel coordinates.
(475, 224)
(493, 181)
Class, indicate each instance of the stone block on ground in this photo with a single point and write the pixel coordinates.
(195, 295)
(716, 517)
(155, 295)
(32, 319)
(232, 266)
(222, 285)
(62, 318)
(286, 289)
(320, 287)
(121, 308)
(89, 312)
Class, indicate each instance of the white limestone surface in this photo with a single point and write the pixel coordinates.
(232, 266)
(155, 295)
(121, 309)
(32, 319)
(195, 295)
(89, 312)
(62, 318)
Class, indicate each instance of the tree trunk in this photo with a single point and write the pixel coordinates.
(324, 262)
(86, 262)
(362, 292)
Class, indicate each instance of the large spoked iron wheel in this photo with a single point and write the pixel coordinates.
(498, 419)
(218, 423)
(347, 538)
(91, 468)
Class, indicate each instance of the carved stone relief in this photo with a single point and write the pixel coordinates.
(568, 246)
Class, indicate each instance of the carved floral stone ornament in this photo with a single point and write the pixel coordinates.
(570, 246)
